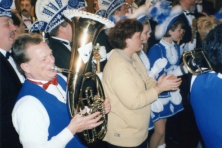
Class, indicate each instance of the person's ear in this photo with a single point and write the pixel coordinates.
(170, 32)
(61, 30)
(128, 40)
(25, 67)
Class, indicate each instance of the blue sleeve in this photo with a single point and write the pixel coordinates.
(154, 54)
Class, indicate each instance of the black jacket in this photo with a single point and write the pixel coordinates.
(10, 86)
(60, 52)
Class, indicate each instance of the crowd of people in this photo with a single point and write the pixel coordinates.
(149, 92)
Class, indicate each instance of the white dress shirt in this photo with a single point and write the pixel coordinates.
(27, 23)
(189, 17)
(31, 121)
(199, 7)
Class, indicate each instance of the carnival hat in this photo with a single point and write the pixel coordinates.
(103, 6)
(76, 4)
(164, 14)
(5, 9)
(49, 13)
(115, 4)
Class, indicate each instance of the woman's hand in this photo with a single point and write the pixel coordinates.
(167, 82)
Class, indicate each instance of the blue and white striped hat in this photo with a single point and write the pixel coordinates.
(49, 13)
(115, 4)
(5, 9)
(76, 4)
(103, 6)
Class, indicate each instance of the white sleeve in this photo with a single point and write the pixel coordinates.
(31, 122)
(192, 80)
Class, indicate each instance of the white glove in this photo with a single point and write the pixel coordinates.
(158, 66)
(156, 106)
(190, 46)
(179, 71)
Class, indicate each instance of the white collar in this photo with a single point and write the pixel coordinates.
(23, 17)
(4, 51)
(60, 39)
(43, 82)
(165, 43)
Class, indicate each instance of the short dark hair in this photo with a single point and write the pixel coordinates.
(212, 47)
(123, 29)
(25, 0)
(32, 2)
(173, 26)
(54, 31)
(15, 18)
(21, 45)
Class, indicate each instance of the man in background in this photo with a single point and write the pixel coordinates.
(10, 79)
(26, 7)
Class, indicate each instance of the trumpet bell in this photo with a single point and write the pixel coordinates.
(196, 62)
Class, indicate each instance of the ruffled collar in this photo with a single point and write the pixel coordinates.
(171, 52)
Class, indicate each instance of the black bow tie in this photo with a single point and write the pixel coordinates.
(9, 54)
(187, 13)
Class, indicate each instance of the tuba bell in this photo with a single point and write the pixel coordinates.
(84, 86)
(196, 62)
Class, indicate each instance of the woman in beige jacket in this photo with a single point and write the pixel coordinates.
(129, 88)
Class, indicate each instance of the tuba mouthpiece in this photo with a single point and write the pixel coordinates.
(60, 70)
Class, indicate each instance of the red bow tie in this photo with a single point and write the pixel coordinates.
(53, 81)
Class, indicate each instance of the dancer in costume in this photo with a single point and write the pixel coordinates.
(169, 102)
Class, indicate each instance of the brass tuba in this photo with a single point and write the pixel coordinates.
(84, 86)
(196, 62)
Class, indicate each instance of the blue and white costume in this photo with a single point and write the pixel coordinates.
(170, 102)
